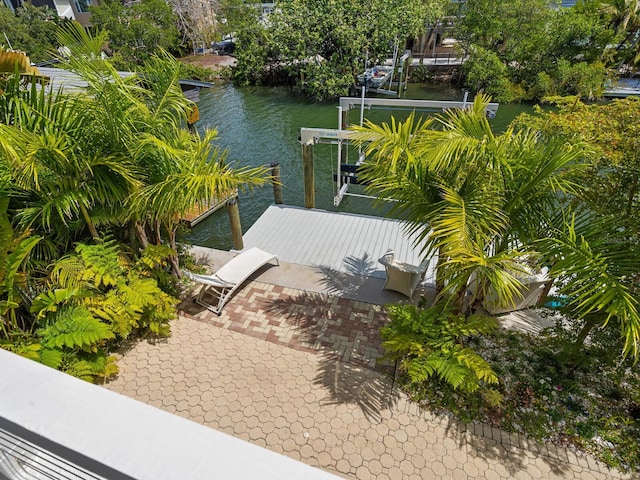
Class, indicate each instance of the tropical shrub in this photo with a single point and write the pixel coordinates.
(484, 72)
(430, 344)
(93, 299)
(593, 406)
(196, 72)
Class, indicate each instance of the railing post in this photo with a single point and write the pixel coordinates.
(236, 226)
(307, 168)
(276, 181)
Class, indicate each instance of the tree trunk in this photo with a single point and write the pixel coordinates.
(173, 259)
(545, 292)
(156, 231)
(142, 235)
(459, 299)
(439, 273)
(589, 324)
(89, 222)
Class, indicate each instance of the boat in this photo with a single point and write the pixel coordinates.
(375, 77)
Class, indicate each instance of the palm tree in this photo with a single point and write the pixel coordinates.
(105, 156)
(486, 202)
(143, 118)
(476, 198)
(625, 21)
(597, 267)
(54, 161)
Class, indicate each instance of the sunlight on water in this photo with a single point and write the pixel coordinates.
(261, 125)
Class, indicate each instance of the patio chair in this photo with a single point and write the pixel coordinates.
(230, 277)
(402, 277)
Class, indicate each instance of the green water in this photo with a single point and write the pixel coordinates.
(261, 125)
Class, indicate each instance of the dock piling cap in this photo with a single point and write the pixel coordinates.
(194, 115)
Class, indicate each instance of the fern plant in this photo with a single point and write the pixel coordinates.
(122, 293)
(429, 343)
(97, 296)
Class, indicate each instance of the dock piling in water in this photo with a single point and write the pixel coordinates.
(236, 226)
(276, 181)
(307, 168)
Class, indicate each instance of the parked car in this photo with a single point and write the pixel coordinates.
(225, 47)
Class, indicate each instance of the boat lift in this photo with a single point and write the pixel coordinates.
(346, 173)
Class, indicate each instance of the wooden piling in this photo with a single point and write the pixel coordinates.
(344, 120)
(276, 181)
(307, 168)
(236, 226)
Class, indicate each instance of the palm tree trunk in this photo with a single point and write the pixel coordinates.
(142, 235)
(439, 273)
(89, 222)
(545, 292)
(173, 259)
(156, 230)
(589, 324)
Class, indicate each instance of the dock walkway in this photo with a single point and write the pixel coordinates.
(341, 242)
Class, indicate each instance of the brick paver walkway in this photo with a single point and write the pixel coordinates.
(306, 321)
(290, 371)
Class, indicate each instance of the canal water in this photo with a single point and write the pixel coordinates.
(261, 125)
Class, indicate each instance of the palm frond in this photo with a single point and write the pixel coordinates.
(596, 272)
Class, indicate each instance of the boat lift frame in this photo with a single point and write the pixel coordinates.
(342, 136)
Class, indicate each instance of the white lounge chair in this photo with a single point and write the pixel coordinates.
(402, 277)
(230, 276)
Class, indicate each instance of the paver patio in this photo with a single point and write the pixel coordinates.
(295, 372)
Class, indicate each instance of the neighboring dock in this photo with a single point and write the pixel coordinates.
(340, 242)
(202, 210)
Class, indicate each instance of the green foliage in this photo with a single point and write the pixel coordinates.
(605, 242)
(196, 72)
(484, 202)
(322, 46)
(122, 294)
(13, 280)
(526, 49)
(609, 183)
(591, 407)
(582, 79)
(609, 291)
(74, 327)
(83, 163)
(137, 30)
(31, 29)
(96, 297)
(484, 72)
(430, 343)
(468, 194)
(71, 164)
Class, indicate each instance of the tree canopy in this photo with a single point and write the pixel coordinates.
(30, 29)
(322, 46)
(528, 49)
(137, 30)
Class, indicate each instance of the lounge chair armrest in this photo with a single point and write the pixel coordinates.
(210, 280)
